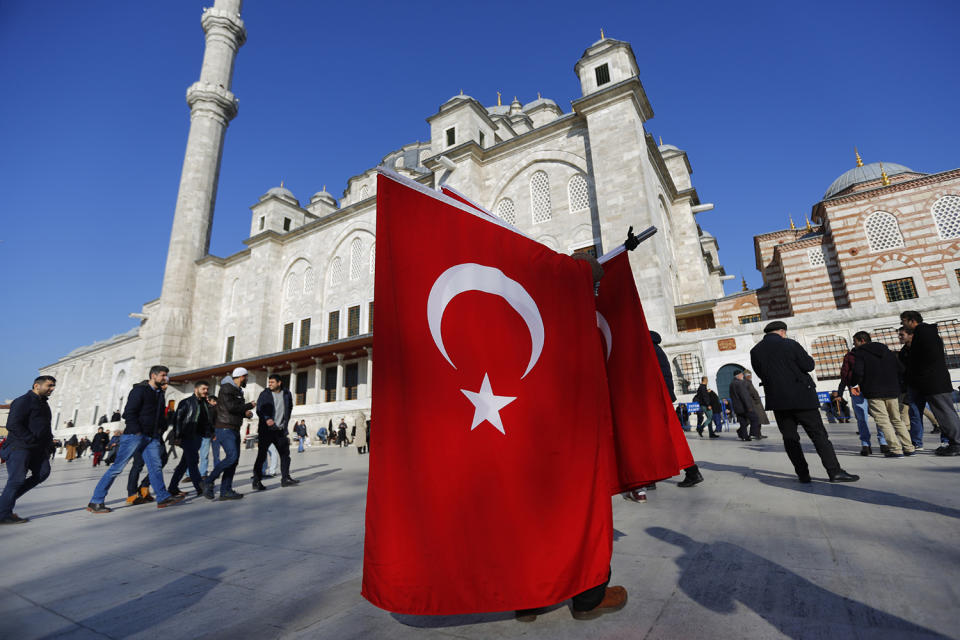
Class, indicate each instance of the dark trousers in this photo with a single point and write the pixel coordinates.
(278, 438)
(189, 461)
(18, 463)
(787, 421)
(749, 425)
(229, 439)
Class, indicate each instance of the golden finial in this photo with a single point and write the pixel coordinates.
(661, 141)
(281, 183)
(601, 34)
(461, 91)
(743, 283)
(499, 103)
(324, 187)
(809, 228)
(883, 176)
(515, 99)
(539, 97)
(859, 160)
(793, 227)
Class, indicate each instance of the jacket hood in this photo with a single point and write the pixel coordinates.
(227, 380)
(875, 349)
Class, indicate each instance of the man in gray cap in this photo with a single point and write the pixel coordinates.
(784, 369)
(231, 410)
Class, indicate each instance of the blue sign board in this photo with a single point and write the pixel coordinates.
(693, 407)
(823, 396)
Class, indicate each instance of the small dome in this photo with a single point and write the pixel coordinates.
(284, 193)
(325, 196)
(866, 173)
(669, 147)
(540, 102)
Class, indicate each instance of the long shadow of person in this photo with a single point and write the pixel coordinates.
(718, 575)
(152, 608)
(846, 491)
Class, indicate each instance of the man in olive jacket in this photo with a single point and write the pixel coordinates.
(27, 446)
(927, 375)
(231, 410)
(784, 369)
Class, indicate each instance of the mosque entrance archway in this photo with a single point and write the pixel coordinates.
(725, 377)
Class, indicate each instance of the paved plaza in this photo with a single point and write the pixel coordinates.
(750, 553)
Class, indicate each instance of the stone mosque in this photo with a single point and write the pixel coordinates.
(884, 238)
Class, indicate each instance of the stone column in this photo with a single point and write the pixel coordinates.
(318, 379)
(212, 106)
(369, 351)
(293, 381)
(339, 377)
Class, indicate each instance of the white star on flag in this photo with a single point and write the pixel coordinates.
(487, 405)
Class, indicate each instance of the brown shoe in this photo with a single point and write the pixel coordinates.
(613, 600)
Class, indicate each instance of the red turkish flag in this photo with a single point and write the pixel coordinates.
(492, 459)
(648, 441)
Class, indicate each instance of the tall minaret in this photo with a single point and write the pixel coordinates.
(212, 106)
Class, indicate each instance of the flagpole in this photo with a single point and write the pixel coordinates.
(646, 234)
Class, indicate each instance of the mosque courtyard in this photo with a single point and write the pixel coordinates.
(749, 553)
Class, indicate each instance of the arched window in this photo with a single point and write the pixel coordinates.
(373, 257)
(336, 271)
(356, 258)
(946, 213)
(882, 231)
(828, 353)
(506, 211)
(540, 197)
(687, 368)
(364, 192)
(578, 193)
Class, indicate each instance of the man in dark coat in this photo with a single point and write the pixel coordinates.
(193, 418)
(274, 407)
(784, 369)
(717, 408)
(98, 445)
(145, 421)
(231, 410)
(27, 446)
(927, 374)
(706, 411)
(877, 372)
(743, 408)
(692, 473)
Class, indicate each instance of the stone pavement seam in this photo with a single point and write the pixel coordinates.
(55, 613)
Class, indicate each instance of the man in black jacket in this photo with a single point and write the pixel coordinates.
(231, 410)
(877, 371)
(98, 445)
(27, 446)
(145, 421)
(194, 417)
(743, 408)
(706, 411)
(927, 374)
(692, 473)
(784, 369)
(274, 407)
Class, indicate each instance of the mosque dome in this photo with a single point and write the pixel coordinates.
(668, 147)
(325, 196)
(866, 173)
(282, 192)
(540, 102)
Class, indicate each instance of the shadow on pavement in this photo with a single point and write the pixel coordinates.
(719, 575)
(848, 491)
(152, 608)
(437, 622)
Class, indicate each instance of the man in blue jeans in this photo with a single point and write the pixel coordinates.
(27, 446)
(231, 410)
(144, 418)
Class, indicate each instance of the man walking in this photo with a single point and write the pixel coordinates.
(274, 407)
(758, 410)
(144, 418)
(27, 446)
(208, 442)
(98, 445)
(927, 374)
(716, 408)
(193, 417)
(743, 408)
(705, 414)
(877, 372)
(861, 406)
(784, 368)
(231, 410)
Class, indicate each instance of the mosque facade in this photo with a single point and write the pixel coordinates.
(575, 181)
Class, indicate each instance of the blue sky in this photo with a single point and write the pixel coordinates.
(768, 99)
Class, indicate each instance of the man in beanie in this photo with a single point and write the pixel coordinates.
(784, 369)
(231, 410)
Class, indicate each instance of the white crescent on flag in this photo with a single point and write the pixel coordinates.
(605, 330)
(477, 277)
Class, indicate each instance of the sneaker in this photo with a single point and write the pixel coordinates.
(145, 494)
(948, 450)
(865, 450)
(908, 453)
(613, 600)
(637, 495)
(230, 495)
(891, 454)
(884, 449)
(132, 499)
(99, 507)
(169, 502)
